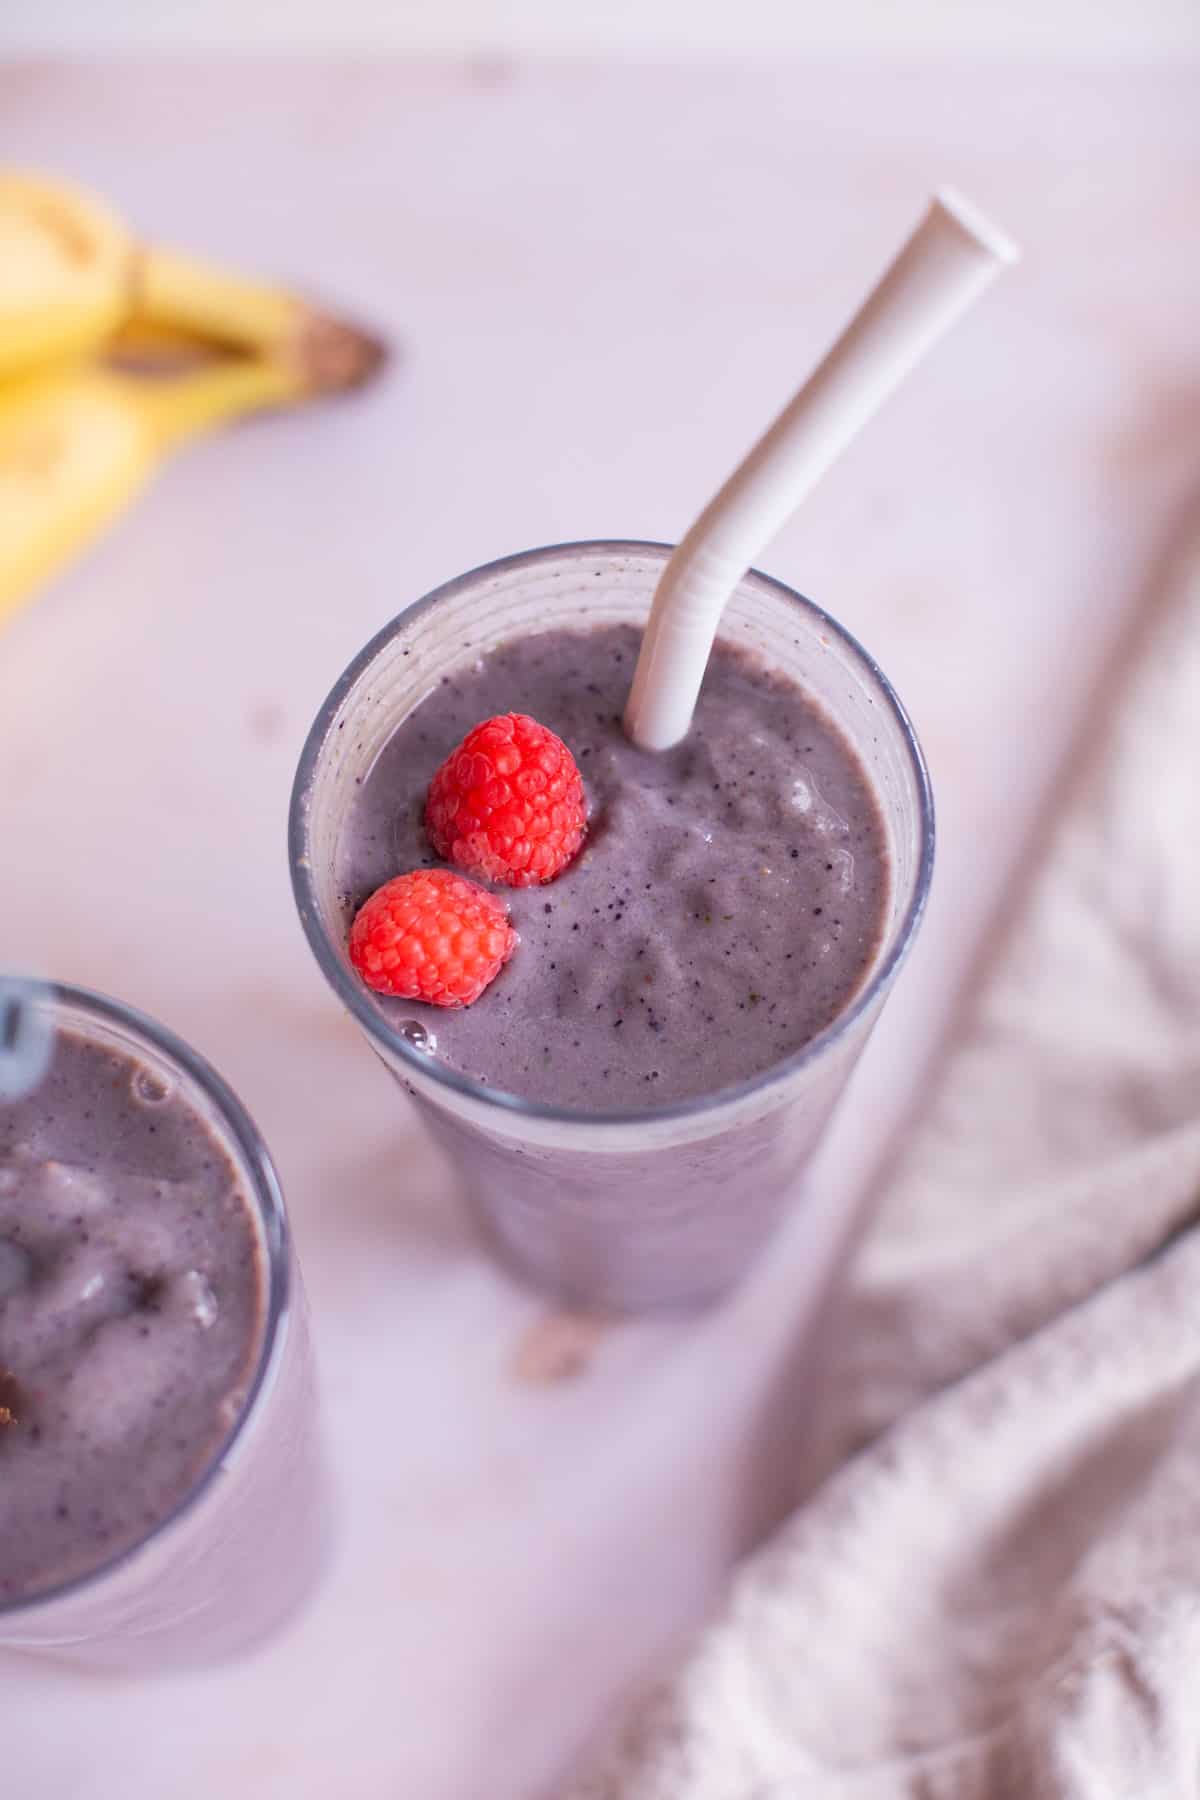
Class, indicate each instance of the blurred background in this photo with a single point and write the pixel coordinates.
(605, 244)
(624, 26)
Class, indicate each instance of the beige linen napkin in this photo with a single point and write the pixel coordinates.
(1001, 1595)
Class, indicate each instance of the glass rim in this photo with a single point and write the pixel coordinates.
(354, 996)
(266, 1194)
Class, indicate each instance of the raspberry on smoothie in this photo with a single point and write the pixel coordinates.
(431, 935)
(508, 805)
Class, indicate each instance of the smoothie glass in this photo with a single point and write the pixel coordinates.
(243, 1548)
(634, 1210)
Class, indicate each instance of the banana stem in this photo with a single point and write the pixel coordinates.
(183, 406)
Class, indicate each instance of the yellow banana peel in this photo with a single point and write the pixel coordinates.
(65, 273)
(76, 445)
(141, 343)
(72, 276)
(83, 308)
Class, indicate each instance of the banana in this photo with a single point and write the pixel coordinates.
(141, 343)
(65, 273)
(77, 444)
(79, 438)
(72, 276)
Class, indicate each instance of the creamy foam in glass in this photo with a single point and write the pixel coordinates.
(161, 1495)
(630, 1103)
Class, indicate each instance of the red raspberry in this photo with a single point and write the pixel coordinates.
(508, 805)
(433, 936)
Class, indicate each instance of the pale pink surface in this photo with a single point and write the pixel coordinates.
(605, 282)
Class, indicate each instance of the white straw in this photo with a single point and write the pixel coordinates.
(948, 261)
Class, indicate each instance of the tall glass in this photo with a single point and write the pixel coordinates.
(242, 1549)
(635, 1210)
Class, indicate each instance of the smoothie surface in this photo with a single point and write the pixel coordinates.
(728, 902)
(131, 1311)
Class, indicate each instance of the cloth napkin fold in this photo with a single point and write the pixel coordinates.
(998, 1595)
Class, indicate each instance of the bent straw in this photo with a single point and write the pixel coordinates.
(951, 257)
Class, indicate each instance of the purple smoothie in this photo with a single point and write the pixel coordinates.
(729, 901)
(132, 1298)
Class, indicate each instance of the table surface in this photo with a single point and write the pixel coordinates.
(603, 281)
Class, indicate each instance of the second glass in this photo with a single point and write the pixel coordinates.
(635, 1210)
(238, 1554)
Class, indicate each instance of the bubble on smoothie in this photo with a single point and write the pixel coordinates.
(844, 868)
(198, 1298)
(419, 1036)
(150, 1087)
(807, 798)
(16, 1267)
(826, 820)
